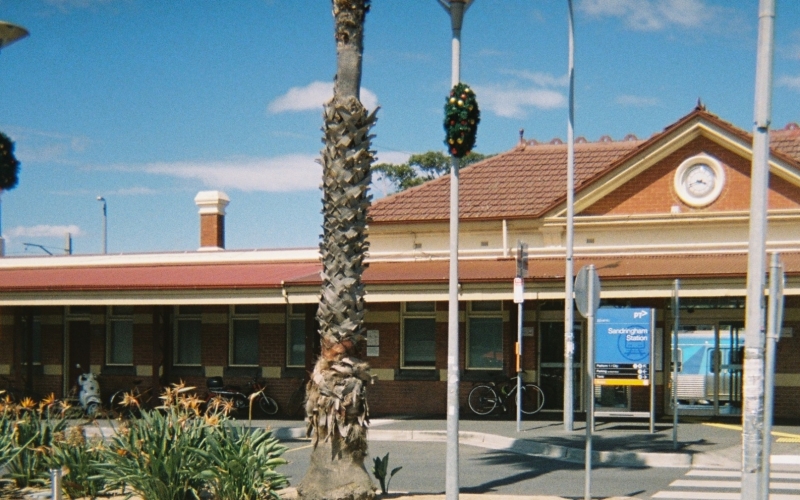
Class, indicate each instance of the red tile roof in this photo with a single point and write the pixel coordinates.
(154, 277)
(531, 178)
(253, 276)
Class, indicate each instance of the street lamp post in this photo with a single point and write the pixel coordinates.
(105, 224)
(9, 33)
(455, 9)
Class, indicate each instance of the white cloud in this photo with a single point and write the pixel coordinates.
(653, 15)
(134, 191)
(66, 5)
(279, 174)
(539, 78)
(792, 82)
(43, 231)
(514, 102)
(636, 101)
(39, 146)
(396, 157)
(313, 96)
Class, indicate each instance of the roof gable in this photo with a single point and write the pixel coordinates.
(529, 181)
(642, 181)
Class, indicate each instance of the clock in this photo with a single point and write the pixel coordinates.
(699, 180)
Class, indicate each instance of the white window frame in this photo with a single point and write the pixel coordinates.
(233, 317)
(175, 335)
(291, 314)
(484, 314)
(406, 314)
(111, 318)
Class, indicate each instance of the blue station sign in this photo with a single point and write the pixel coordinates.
(623, 344)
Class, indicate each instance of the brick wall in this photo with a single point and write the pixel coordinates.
(653, 192)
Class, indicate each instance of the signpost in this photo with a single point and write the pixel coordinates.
(519, 299)
(587, 299)
(624, 354)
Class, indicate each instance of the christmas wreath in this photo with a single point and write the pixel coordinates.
(9, 166)
(461, 118)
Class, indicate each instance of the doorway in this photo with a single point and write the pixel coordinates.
(551, 365)
(79, 360)
(710, 369)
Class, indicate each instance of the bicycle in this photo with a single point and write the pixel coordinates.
(131, 401)
(485, 398)
(255, 389)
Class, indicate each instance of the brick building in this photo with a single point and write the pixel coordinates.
(647, 212)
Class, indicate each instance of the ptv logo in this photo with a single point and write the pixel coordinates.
(639, 314)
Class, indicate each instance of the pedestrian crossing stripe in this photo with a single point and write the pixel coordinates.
(736, 473)
(698, 482)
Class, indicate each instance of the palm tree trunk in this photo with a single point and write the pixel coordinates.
(336, 408)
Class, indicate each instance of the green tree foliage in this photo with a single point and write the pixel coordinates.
(9, 166)
(421, 168)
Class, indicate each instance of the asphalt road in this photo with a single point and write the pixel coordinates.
(498, 472)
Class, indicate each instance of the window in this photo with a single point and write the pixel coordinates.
(188, 336)
(296, 335)
(34, 340)
(485, 335)
(244, 336)
(419, 335)
(119, 339)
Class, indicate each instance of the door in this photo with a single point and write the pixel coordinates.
(79, 361)
(551, 365)
(709, 379)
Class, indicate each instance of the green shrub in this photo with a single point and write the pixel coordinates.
(32, 429)
(153, 454)
(79, 460)
(240, 463)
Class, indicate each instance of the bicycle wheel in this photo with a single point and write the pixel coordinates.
(482, 400)
(267, 405)
(532, 399)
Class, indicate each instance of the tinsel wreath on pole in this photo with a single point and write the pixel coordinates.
(461, 118)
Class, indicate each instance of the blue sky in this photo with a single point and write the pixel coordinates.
(147, 102)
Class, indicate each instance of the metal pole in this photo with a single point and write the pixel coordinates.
(587, 492)
(519, 367)
(2, 242)
(774, 323)
(105, 224)
(752, 437)
(455, 8)
(55, 484)
(652, 371)
(569, 336)
(676, 323)
(9, 33)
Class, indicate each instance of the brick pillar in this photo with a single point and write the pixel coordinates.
(211, 206)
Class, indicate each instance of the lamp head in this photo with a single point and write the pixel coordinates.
(10, 33)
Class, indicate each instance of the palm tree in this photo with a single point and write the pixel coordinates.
(336, 407)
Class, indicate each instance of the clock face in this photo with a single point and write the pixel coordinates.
(699, 180)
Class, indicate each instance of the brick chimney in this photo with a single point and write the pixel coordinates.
(211, 205)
